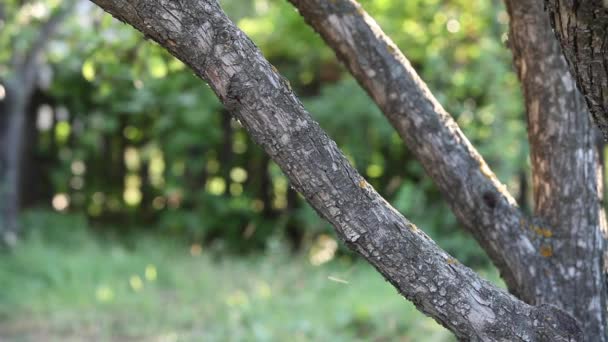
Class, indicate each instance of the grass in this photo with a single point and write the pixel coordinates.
(74, 286)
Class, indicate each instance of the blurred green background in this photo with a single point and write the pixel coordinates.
(150, 215)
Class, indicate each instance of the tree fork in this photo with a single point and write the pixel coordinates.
(480, 202)
(198, 33)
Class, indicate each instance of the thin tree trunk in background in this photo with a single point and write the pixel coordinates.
(582, 29)
(293, 229)
(195, 177)
(34, 185)
(19, 90)
(522, 197)
(199, 33)
(266, 186)
(10, 169)
(226, 156)
(566, 175)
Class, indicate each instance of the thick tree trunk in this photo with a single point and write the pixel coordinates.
(582, 29)
(566, 175)
(199, 33)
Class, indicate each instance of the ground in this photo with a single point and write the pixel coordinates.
(81, 287)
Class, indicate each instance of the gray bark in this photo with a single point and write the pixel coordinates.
(480, 202)
(199, 33)
(10, 162)
(19, 88)
(582, 29)
(566, 174)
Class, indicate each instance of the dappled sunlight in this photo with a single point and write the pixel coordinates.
(238, 174)
(151, 273)
(156, 168)
(236, 189)
(34, 10)
(263, 290)
(323, 250)
(453, 26)
(88, 70)
(104, 293)
(132, 194)
(61, 201)
(216, 186)
(280, 186)
(62, 131)
(237, 299)
(196, 249)
(157, 67)
(136, 283)
(78, 167)
(132, 159)
(374, 171)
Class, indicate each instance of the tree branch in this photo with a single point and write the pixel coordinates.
(26, 67)
(582, 29)
(480, 202)
(562, 146)
(199, 33)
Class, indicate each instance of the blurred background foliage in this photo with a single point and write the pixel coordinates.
(124, 133)
(124, 139)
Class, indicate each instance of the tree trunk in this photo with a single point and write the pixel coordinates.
(566, 175)
(199, 33)
(19, 89)
(226, 156)
(480, 202)
(582, 29)
(10, 169)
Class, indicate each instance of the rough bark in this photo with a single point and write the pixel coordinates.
(198, 33)
(582, 29)
(19, 87)
(479, 201)
(566, 175)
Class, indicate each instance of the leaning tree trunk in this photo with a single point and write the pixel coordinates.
(199, 33)
(566, 174)
(20, 87)
(582, 29)
(10, 165)
(480, 202)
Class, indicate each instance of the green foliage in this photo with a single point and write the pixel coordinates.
(151, 288)
(137, 141)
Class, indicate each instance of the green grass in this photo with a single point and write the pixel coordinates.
(74, 286)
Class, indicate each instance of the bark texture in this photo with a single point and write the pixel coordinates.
(19, 88)
(199, 33)
(480, 202)
(582, 29)
(566, 175)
